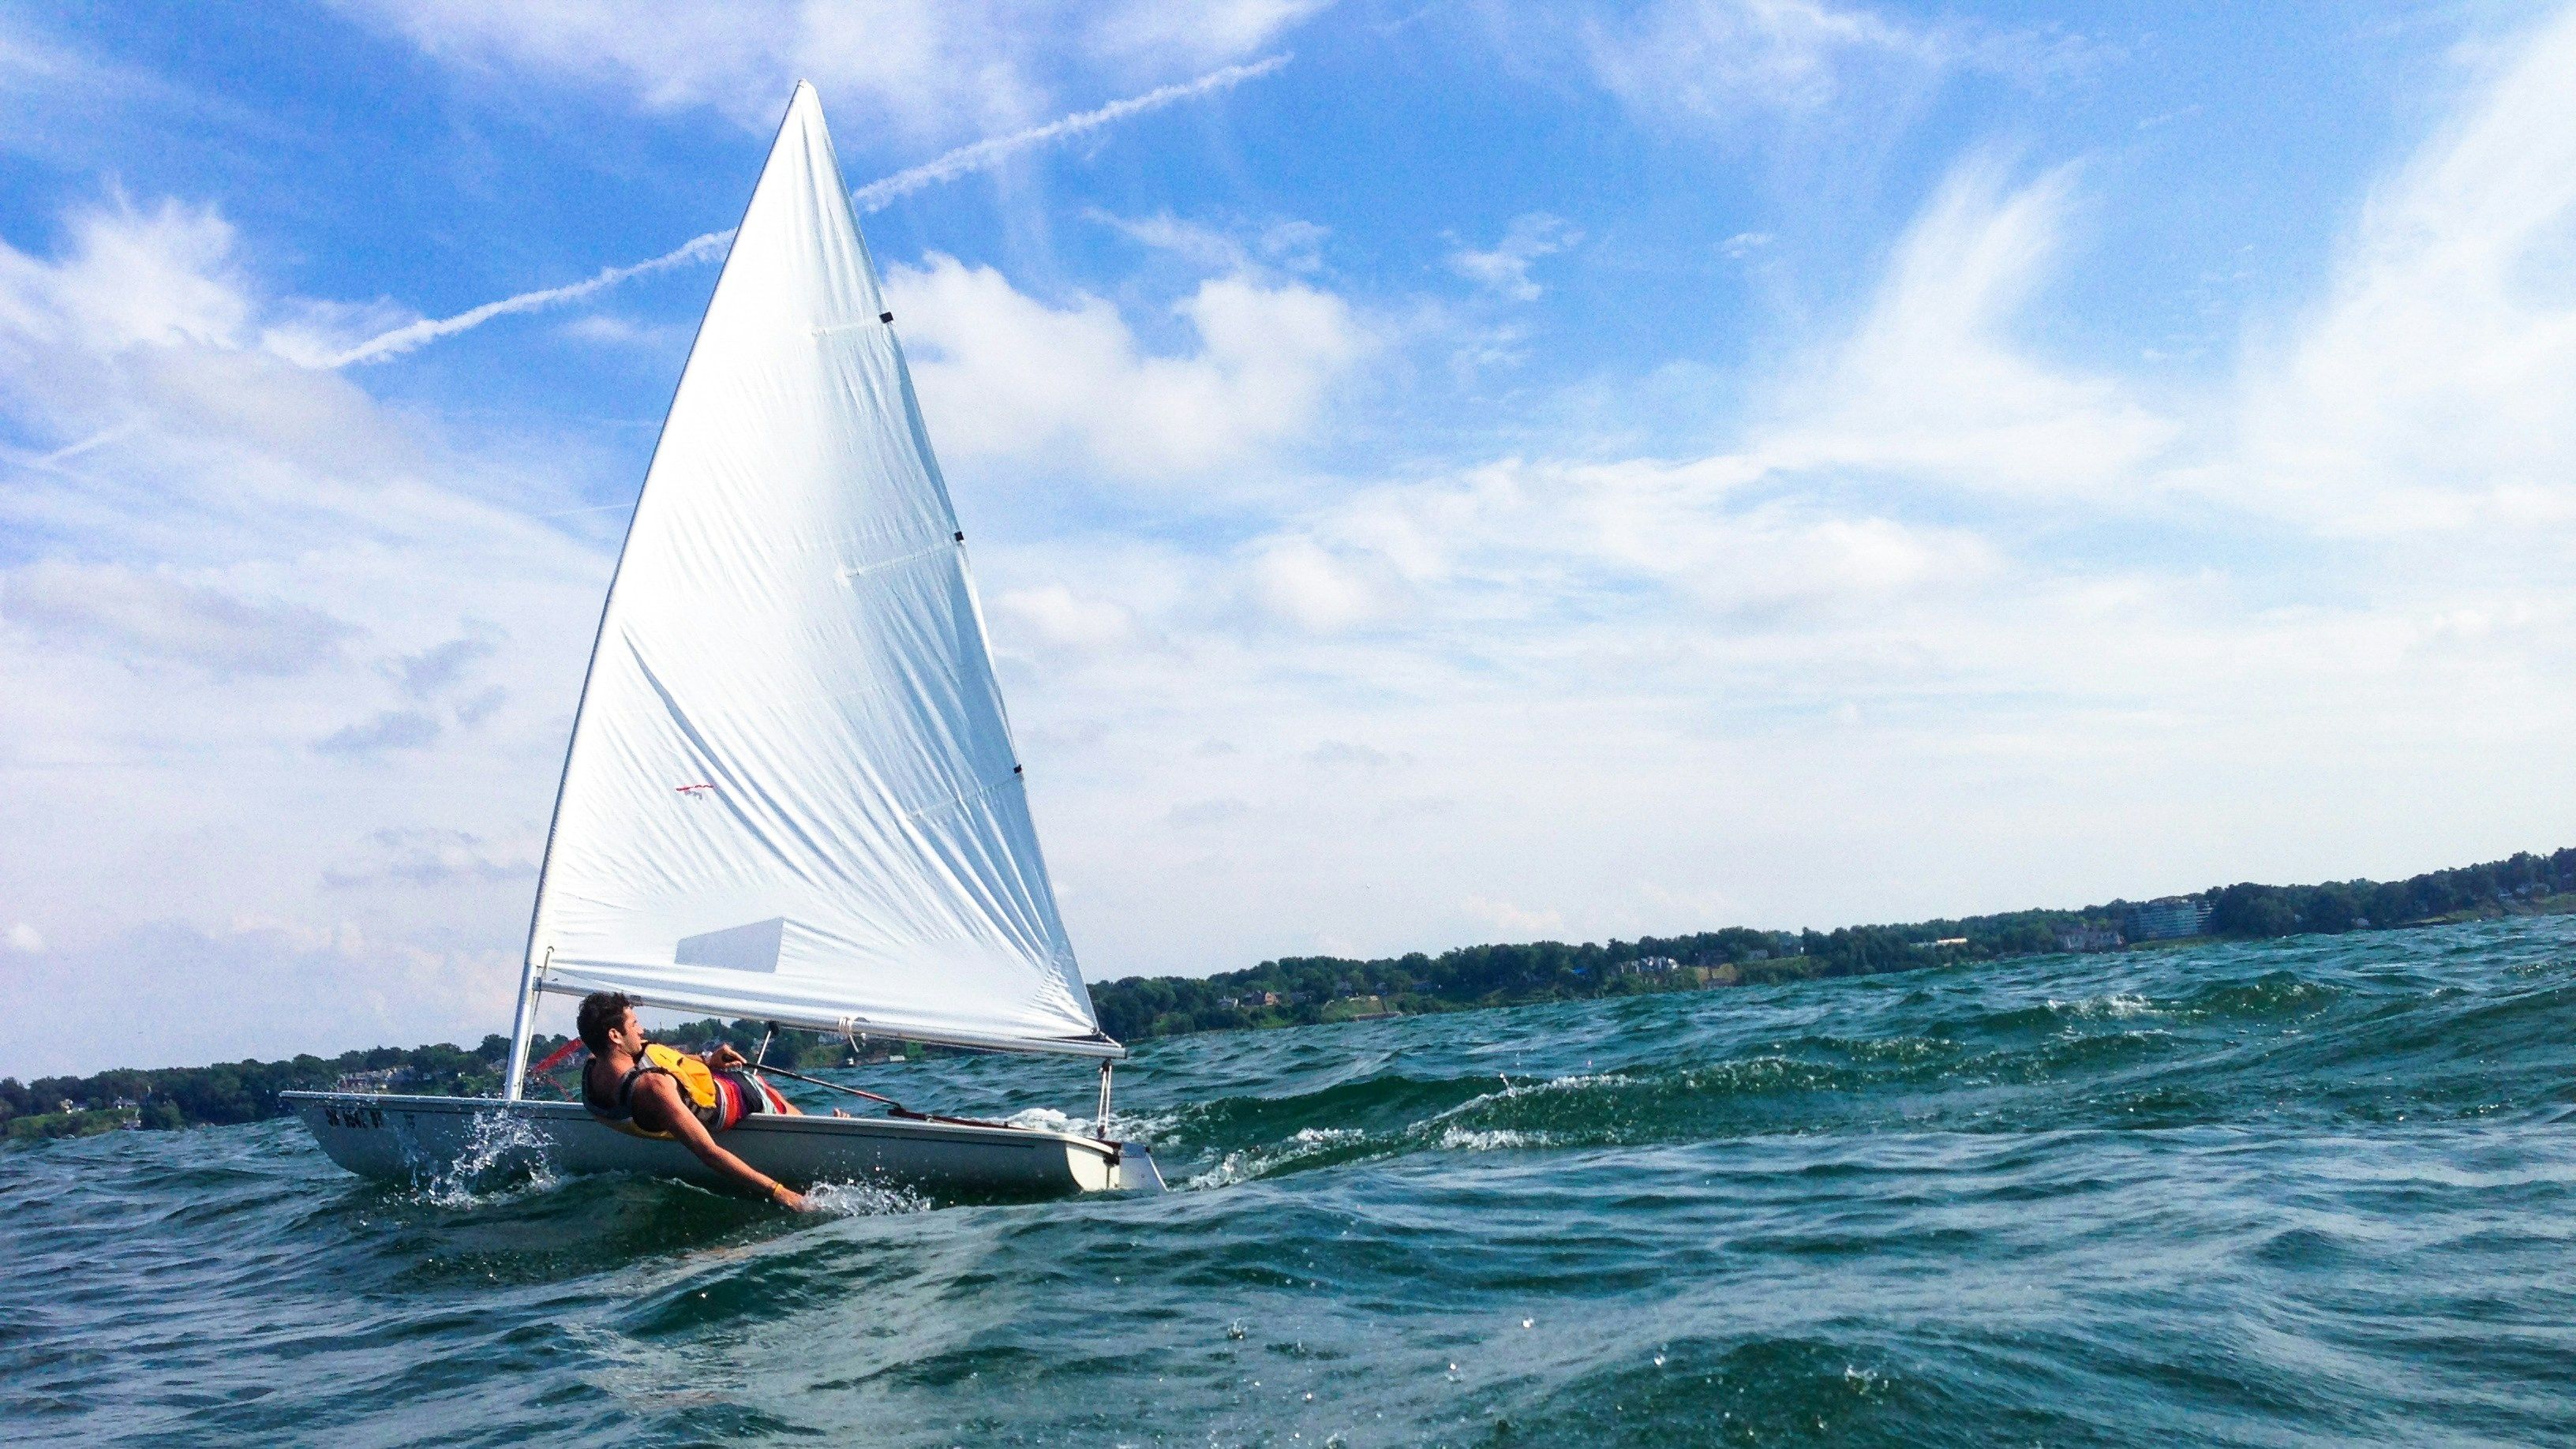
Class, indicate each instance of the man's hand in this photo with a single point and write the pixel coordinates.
(725, 1056)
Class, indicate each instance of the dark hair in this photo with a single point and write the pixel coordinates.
(601, 1013)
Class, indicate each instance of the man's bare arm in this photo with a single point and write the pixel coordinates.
(661, 1096)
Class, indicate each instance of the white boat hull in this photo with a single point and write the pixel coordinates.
(419, 1138)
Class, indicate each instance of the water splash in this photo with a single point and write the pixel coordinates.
(1151, 1129)
(864, 1200)
(504, 1156)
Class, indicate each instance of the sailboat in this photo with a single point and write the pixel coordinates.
(790, 793)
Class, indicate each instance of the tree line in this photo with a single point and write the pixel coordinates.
(247, 1091)
(1298, 990)
(1302, 989)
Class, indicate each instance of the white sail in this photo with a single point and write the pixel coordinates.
(791, 792)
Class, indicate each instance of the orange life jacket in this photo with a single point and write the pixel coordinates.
(716, 1100)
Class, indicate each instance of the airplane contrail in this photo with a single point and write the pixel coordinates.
(875, 196)
(429, 329)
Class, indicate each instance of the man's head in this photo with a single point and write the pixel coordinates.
(605, 1014)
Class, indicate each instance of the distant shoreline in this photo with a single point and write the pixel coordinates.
(1309, 990)
(1296, 991)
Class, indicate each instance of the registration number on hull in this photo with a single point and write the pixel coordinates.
(354, 1116)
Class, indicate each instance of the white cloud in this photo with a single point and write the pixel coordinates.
(1514, 921)
(1784, 51)
(1795, 73)
(1877, 655)
(251, 988)
(434, 670)
(26, 939)
(1059, 616)
(1286, 243)
(128, 279)
(1933, 385)
(229, 559)
(431, 857)
(1204, 30)
(1313, 589)
(1506, 268)
(1716, 60)
(618, 331)
(1202, 813)
(142, 617)
(2430, 389)
(1351, 755)
(393, 729)
(926, 69)
(1004, 375)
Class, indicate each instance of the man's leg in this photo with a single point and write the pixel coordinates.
(759, 1096)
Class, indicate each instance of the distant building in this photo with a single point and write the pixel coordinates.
(1657, 965)
(1359, 1008)
(2168, 919)
(1946, 941)
(2085, 936)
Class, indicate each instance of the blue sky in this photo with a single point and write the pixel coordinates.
(1492, 471)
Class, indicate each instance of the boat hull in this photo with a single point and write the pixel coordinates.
(401, 1138)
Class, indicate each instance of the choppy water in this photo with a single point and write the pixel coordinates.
(2316, 1191)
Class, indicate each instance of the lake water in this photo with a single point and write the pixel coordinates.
(2313, 1191)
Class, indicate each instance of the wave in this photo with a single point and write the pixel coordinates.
(2299, 1192)
(2270, 1046)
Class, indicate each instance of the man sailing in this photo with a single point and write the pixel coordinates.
(650, 1090)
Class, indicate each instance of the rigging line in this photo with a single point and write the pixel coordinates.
(893, 1107)
(875, 196)
(836, 1087)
